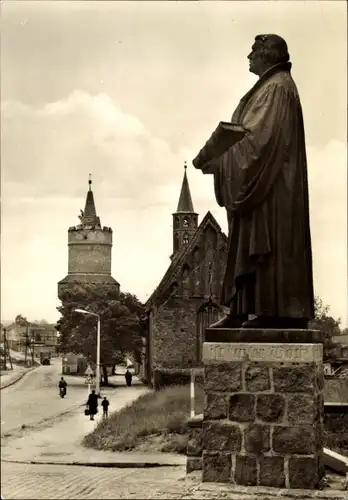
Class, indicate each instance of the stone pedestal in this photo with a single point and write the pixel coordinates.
(194, 445)
(264, 407)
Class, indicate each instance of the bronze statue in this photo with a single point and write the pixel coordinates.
(261, 180)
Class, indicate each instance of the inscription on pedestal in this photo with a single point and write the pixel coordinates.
(284, 353)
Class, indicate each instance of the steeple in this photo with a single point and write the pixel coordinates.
(89, 216)
(185, 219)
(185, 201)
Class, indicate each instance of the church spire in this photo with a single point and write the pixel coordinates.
(185, 201)
(89, 216)
(185, 219)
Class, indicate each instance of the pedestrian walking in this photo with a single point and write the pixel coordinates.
(105, 405)
(92, 404)
(128, 377)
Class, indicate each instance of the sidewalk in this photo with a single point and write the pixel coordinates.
(10, 377)
(60, 443)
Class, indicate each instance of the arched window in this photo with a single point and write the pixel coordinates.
(185, 239)
(208, 313)
(185, 222)
(196, 271)
(176, 242)
(186, 285)
(174, 289)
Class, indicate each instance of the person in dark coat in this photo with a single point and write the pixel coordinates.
(128, 377)
(62, 385)
(105, 405)
(92, 404)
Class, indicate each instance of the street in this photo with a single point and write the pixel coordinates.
(25, 481)
(29, 482)
(35, 397)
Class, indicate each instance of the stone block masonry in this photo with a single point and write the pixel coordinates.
(264, 411)
(195, 444)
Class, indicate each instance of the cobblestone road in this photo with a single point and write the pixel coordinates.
(22, 481)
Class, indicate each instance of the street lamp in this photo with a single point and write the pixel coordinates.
(97, 385)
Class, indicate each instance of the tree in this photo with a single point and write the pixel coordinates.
(327, 324)
(21, 320)
(121, 324)
(322, 321)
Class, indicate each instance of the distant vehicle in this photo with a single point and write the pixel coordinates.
(45, 358)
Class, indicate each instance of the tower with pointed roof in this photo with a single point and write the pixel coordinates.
(185, 219)
(89, 244)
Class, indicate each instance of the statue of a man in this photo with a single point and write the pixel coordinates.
(262, 182)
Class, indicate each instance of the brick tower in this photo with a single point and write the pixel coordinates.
(185, 219)
(89, 249)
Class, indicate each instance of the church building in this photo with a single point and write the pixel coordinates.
(186, 300)
(90, 244)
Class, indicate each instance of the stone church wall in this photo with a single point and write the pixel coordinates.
(174, 334)
(175, 342)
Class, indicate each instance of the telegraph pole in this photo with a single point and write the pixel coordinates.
(28, 346)
(7, 351)
(32, 349)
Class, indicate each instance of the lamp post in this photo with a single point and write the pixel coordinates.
(97, 385)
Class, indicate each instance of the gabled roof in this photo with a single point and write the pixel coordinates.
(185, 200)
(174, 270)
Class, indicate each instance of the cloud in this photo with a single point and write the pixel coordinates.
(178, 66)
(51, 149)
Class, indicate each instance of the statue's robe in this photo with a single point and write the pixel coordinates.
(262, 183)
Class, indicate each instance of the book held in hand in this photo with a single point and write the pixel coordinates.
(222, 139)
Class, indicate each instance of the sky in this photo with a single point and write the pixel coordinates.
(129, 91)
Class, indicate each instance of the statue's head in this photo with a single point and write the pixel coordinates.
(267, 51)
